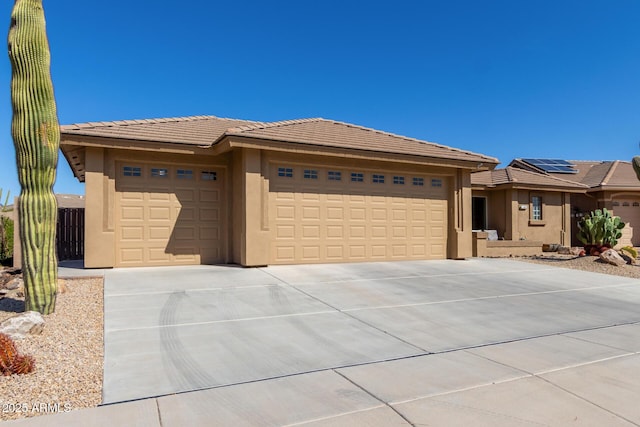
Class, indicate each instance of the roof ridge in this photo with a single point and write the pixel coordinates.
(546, 175)
(610, 172)
(351, 125)
(267, 125)
(510, 177)
(88, 125)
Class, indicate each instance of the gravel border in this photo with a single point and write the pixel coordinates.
(68, 354)
(586, 263)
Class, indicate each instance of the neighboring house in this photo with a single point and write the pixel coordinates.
(205, 190)
(542, 200)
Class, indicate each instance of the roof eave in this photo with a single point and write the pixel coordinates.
(278, 144)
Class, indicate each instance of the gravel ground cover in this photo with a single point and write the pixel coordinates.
(68, 355)
(586, 263)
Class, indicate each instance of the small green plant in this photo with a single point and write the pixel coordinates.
(6, 230)
(600, 228)
(11, 362)
(630, 250)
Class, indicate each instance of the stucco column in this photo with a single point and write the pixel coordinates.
(254, 238)
(99, 238)
(461, 244)
(512, 207)
(565, 239)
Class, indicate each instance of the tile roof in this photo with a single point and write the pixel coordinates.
(600, 174)
(195, 130)
(516, 176)
(605, 174)
(205, 131)
(331, 133)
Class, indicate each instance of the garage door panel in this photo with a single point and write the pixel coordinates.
(357, 214)
(209, 195)
(168, 220)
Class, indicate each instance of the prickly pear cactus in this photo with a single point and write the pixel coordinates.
(36, 137)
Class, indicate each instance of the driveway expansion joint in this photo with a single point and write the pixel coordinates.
(386, 404)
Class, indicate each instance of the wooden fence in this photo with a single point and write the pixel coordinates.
(70, 234)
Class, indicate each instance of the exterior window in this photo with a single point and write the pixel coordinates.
(357, 177)
(625, 203)
(636, 204)
(184, 174)
(285, 172)
(616, 203)
(159, 172)
(334, 176)
(536, 208)
(418, 181)
(378, 179)
(436, 182)
(209, 176)
(398, 180)
(131, 171)
(310, 174)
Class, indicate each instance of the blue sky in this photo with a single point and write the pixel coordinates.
(551, 79)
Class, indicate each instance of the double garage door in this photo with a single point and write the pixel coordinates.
(168, 215)
(331, 215)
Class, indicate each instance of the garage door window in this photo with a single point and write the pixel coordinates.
(378, 179)
(285, 172)
(334, 176)
(398, 180)
(436, 183)
(310, 174)
(159, 172)
(131, 171)
(208, 176)
(357, 177)
(418, 181)
(185, 174)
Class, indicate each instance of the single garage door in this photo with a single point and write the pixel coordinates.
(629, 211)
(168, 215)
(331, 215)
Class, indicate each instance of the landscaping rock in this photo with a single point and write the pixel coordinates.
(575, 250)
(612, 257)
(628, 256)
(14, 283)
(17, 327)
(565, 250)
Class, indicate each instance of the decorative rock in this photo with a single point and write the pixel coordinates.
(14, 284)
(627, 256)
(575, 250)
(612, 257)
(17, 327)
(564, 250)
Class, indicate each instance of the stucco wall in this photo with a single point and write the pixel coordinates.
(509, 212)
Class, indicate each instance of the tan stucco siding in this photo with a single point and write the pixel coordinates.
(552, 228)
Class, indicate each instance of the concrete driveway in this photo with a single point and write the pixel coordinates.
(476, 342)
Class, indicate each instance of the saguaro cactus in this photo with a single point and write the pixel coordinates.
(36, 137)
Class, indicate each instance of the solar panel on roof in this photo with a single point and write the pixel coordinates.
(552, 165)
